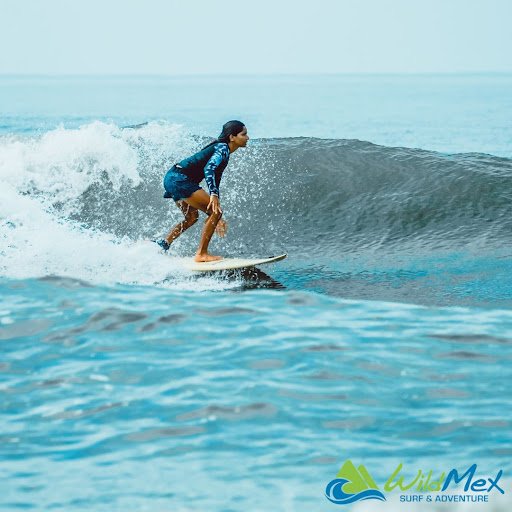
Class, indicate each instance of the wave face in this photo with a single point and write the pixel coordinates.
(68, 192)
(343, 195)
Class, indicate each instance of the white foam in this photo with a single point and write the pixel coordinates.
(61, 164)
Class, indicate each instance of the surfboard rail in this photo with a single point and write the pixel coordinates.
(230, 263)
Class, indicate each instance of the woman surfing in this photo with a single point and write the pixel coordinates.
(182, 180)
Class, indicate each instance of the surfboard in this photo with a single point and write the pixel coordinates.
(230, 263)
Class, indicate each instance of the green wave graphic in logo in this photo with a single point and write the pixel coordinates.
(352, 484)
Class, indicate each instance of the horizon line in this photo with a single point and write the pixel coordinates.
(253, 74)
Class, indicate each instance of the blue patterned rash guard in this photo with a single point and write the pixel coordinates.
(209, 163)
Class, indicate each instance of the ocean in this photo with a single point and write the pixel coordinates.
(129, 383)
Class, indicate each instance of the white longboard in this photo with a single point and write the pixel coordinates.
(230, 263)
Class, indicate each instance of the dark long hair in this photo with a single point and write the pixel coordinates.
(230, 128)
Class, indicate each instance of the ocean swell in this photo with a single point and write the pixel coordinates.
(102, 184)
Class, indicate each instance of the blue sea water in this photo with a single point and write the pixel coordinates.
(128, 383)
(449, 113)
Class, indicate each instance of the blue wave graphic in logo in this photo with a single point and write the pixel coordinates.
(334, 492)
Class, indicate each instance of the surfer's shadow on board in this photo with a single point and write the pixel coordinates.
(243, 270)
(251, 278)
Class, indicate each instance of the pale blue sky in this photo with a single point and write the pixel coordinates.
(254, 36)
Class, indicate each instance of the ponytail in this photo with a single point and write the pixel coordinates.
(230, 128)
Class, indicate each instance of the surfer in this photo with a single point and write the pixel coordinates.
(182, 180)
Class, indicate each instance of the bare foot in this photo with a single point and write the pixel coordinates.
(206, 257)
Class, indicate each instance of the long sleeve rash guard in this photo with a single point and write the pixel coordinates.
(209, 163)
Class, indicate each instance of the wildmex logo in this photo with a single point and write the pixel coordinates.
(355, 484)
